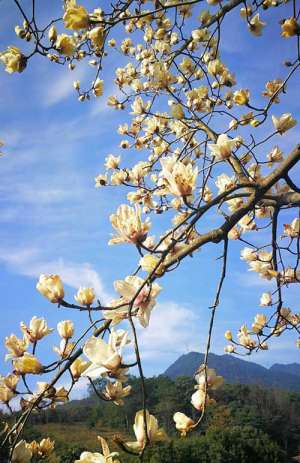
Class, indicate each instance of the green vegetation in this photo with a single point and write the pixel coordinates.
(248, 424)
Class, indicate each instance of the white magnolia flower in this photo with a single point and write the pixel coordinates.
(154, 432)
(265, 299)
(223, 148)
(283, 123)
(144, 302)
(106, 358)
(127, 221)
(183, 423)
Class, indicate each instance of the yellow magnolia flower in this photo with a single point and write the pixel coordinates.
(10, 381)
(128, 223)
(43, 448)
(96, 35)
(65, 329)
(149, 262)
(283, 123)
(177, 111)
(36, 330)
(6, 394)
(98, 87)
(15, 346)
(51, 287)
(21, 453)
(76, 17)
(27, 364)
(228, 335)
(154, 432)
(183, 423)
(13, 60)
(290, 27)
(256, 25)
(223, 148)
(85, 296)
(116, 392)
(241, 97)
(65, 44)
(78, 367)
(52, 34)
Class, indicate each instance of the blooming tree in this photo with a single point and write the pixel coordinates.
(204, 160)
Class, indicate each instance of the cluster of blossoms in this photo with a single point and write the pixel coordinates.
(206, 379)
(204, 164)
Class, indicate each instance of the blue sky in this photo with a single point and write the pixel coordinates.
(53, 220)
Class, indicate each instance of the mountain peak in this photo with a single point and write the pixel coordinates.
(236, 370)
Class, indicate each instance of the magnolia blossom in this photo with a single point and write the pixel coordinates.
(43, 449)
(256, 25)
(128, 223)
(201, 399)
(276, 155)
(179, 177)
(260, 321)
(78, 367)
(65, 348)
(15, 346)
(223, 148)
(265, 299)
(76, 17)
(6, 394)
(154, 432)
(283, 123)
(36, 330)
(65, 329)
(228, 335)
(143, 302)
(292, 229)
(290, 27)
(96, 35)
(116, 392)
(65, 44)
(21, 453)
(210, 379)
(105, 358)
(224, 182)
(51, 287)
(229, 349)
(183, 423)
(290, 275)
(248, 254)
(28, 363)
(149, 262)
(245, 338)
(85, 296)
(13, 60)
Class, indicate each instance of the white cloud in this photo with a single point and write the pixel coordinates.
(61, 88)
(173, 330)
(29, 262)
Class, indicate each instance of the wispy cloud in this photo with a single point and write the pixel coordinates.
(29, 263)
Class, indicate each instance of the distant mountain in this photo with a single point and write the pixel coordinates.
(292, 368)
(240, 371)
